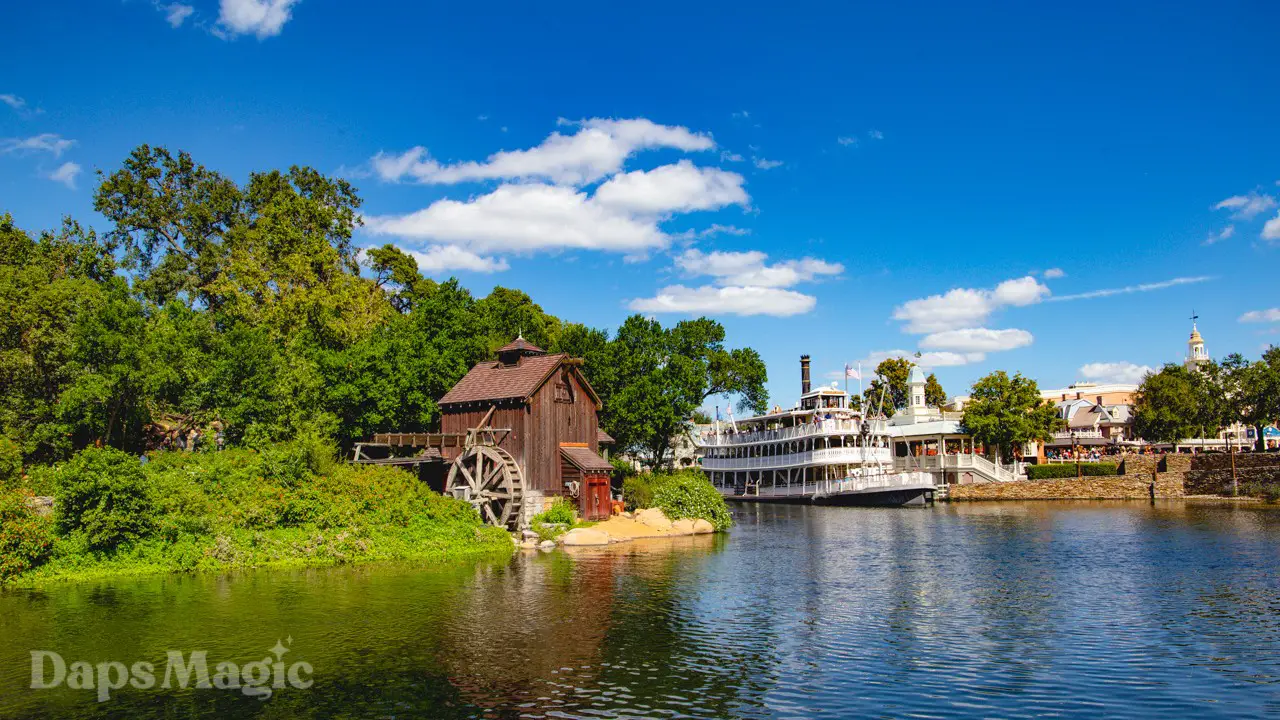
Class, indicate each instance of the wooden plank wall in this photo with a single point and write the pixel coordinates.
(509, 415)
(552, 423)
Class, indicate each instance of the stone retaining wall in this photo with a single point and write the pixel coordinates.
(1113, 487)
(1210, 474)
(1176, 475)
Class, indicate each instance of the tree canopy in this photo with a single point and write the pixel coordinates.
(934, 395)
(248, 306)
(891, 384)
(1006, 412)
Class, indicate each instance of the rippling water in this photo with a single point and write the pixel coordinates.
(965, 611)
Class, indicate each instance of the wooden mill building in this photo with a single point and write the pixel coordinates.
(553, 417)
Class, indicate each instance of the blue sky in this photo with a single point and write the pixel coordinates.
(812, 175)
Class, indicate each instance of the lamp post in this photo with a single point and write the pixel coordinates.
(1075, 450)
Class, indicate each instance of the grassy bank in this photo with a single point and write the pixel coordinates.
(282, 505)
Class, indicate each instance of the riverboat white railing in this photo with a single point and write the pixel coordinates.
(871, 482)
(825, 456)
(825, 427)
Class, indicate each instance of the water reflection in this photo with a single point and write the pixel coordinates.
(968, 610)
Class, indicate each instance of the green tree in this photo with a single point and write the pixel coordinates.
(662, 375)
(1006, 412)
(1168, 405)
(934, 395)
(890, 384)
(1259, 391)
(397, 274)
(505, 313)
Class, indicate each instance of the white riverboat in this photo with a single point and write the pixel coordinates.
(820, 452)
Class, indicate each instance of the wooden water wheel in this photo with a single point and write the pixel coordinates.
(490, 479)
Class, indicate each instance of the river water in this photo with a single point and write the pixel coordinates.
(962, 611)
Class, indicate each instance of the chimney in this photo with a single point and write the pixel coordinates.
(804, 374)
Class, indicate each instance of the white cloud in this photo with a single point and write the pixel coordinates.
(175, 13)
(45, 142)
(967, 307)
(1271, 230)
(1261, 316)
(1054, 274)
(1146, 287)
(518, 218)
(1247, 207)
(977, 340)
(1221, 235)
(598, 149)
(13, 101)
(847, 140)
(713, 230)
(1115, 372)
(726, 156)
(681, 187)
(764, 164)
(66, 174)
(438, 259)
(742, 114)
(925, 360)
(875, 134)
(712, 300)
(749, 269)
(260, 18)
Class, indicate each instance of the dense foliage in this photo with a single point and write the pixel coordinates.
(562, 511)
(1176, 403)
(1005, 412)
(104, 495)
(247, 309)
(1068, 470)
(25, 537)
(688, 494)
(683, 494)
(239, 508)
(637, 491)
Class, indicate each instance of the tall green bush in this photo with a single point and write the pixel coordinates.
(1068, 470)
(25, 537)
(688, 494)
(10, 463)
(104, 494)
(637, 492)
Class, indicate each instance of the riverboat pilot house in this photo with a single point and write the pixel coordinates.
(551, 416)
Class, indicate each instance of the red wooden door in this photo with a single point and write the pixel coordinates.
(595, 498)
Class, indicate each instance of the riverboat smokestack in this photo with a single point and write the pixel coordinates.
(804, 374)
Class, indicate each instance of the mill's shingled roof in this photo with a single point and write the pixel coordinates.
(604, 438)
(491, 380)
(585, 460)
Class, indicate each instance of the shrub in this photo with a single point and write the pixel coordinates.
(561, 511)
(1068, 470)
(10, 463)
(25, 537)
(105, 494)
(688, 494)
(637, 492)
(1268, 492)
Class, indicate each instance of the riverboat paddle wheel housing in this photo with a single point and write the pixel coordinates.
(517, 433)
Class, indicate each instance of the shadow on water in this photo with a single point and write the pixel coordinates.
(965, 610)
